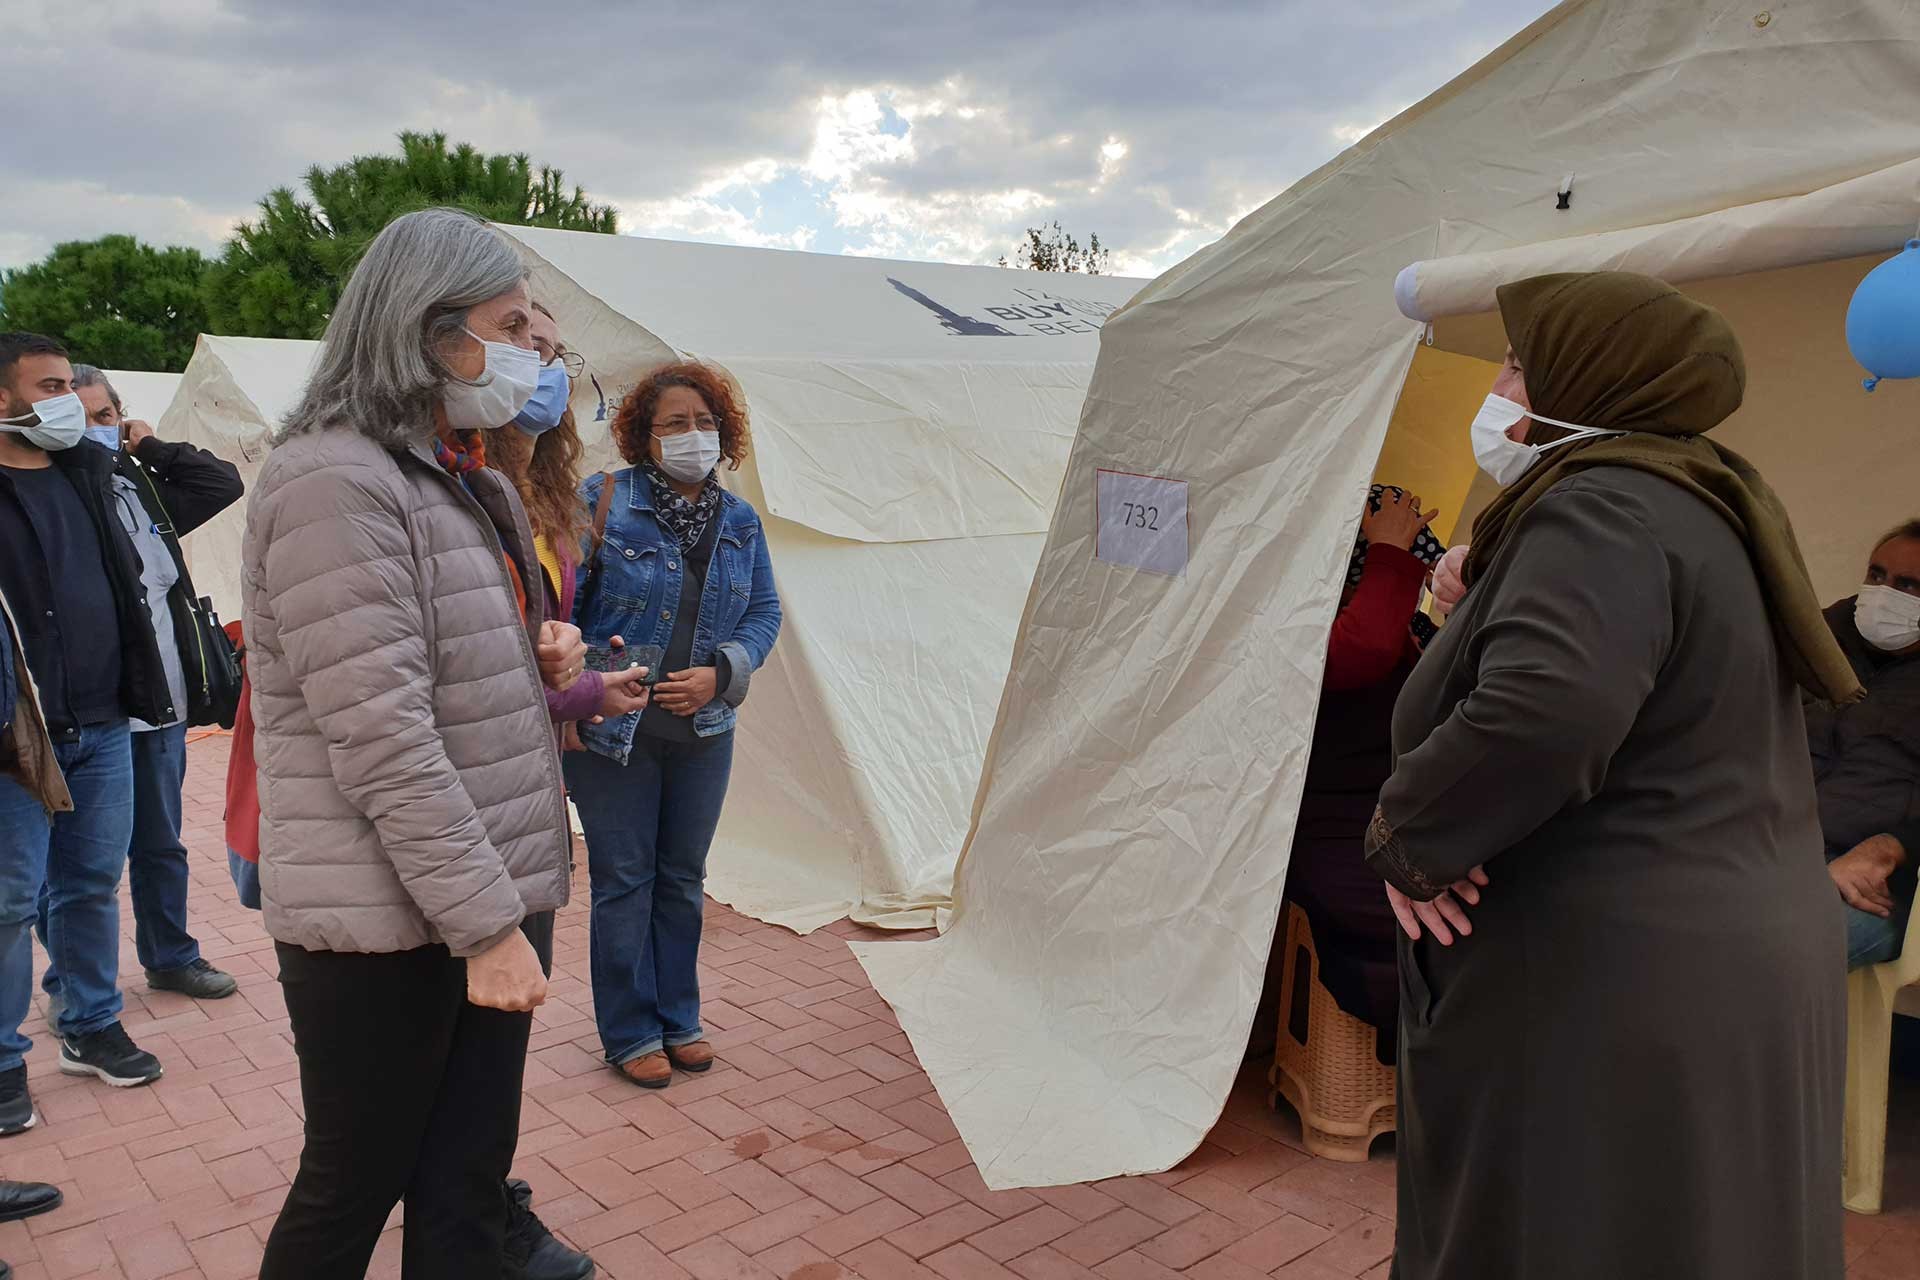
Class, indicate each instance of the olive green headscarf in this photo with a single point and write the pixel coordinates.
(1629, 353)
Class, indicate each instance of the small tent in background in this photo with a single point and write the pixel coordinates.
(231, 397)
(143, 395)
(1087, 1012)
(910, 425)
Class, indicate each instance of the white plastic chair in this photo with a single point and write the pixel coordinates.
(1874, 995)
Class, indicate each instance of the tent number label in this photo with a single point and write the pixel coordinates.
(1141, 521)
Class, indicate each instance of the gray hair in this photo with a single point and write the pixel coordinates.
(87, 375)
(380, 369)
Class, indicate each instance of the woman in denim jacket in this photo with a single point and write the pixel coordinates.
(682, 566)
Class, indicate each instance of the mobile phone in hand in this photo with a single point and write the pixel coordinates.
(624, 658)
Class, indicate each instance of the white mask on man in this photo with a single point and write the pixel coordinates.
(507, 381)
(691, 456)
(56, 423)
(1888, 620)
(1506, 459)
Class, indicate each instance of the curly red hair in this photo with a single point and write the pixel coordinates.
(633, 423)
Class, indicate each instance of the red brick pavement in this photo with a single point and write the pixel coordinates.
(818, 1150)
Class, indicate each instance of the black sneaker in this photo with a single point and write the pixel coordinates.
(110, 1054)
(532, 1252)
(200, 980)
(16, 1104)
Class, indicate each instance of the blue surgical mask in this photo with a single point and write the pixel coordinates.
(543, 412)
(108, 436)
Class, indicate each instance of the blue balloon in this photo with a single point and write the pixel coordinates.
(1883, 320)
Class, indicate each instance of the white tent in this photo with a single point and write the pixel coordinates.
(1086, 1013)
(144, 395)
(234, 392)
(910, 425)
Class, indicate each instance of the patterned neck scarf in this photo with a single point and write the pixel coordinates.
(686, 521)
(465, 451)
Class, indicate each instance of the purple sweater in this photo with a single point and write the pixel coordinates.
(582, 700)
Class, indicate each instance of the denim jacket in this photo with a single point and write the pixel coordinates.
(639, 572)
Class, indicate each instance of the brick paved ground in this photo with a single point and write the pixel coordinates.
(818, 1151)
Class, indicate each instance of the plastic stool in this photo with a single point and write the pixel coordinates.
(1324, 1063)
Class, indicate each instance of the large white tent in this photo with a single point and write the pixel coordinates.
(144, 395)
(1086, 1013)
(910, 425)
(233, 394)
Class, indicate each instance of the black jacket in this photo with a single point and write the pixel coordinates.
(1866, 757)
(181, 488)
(143, 678)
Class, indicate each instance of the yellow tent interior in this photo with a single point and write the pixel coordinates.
(1841, 459)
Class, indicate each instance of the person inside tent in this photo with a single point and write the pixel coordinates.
(1866, 757)
(1376, 638)
(1647, 1025)
(164, 491)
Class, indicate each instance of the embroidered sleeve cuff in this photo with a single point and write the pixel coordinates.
(1388, 857)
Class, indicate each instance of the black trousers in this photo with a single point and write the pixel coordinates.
(411, 1094)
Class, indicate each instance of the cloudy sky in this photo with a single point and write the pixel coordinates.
(935, 129)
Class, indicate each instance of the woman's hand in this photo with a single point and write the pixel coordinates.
(1448, 587)
(685, 692)
(570, 737)
(507, 976)
(1398, 522)
(625, 694)
(562, 654)
(1444, 911)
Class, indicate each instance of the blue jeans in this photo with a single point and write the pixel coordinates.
(77, 859)
(246, 879)
(649, 824)
(157, 861)
(1872, 939)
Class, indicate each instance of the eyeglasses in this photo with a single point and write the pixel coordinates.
(680, 425)
(574, 363)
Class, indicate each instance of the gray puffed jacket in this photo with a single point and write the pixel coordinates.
(409, 785)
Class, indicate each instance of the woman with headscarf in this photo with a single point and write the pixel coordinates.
(1633, 1067)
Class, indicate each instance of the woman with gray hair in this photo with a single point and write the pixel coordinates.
(412, 818)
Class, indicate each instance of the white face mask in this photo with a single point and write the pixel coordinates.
(508, 380)
(55, 424)
(691, 456)
(1506, 460)
(1888, 620)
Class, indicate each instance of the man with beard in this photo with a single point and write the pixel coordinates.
(71, 581)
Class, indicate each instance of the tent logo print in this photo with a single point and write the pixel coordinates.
(952, 321)
(1041, 313)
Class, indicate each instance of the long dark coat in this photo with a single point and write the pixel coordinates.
(1634, 1066)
